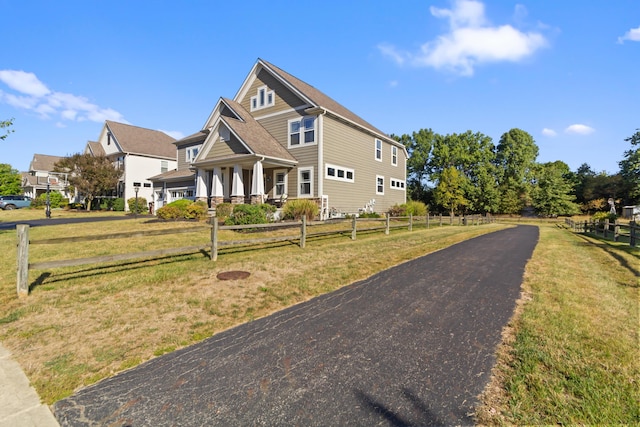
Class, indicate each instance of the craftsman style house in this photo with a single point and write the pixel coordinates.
(139, 152)
(280, 138)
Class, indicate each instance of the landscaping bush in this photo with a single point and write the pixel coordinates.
(296, 209)
(603, 216)
(56, 200)
(138, 205)
(370, 215)
(223, 211)
(118, 204)
(197, 210)
(251, 214)
(183, 209)
(412, 207)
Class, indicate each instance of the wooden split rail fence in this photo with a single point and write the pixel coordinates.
(366, 225)
(608, 230)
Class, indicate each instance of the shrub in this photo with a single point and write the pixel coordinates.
(56, 200)
(412, 207)
(296, 209)
(251, 214)
(197, 210)
(223, 211)
(118, 204)
(602, 216)
(138, 205)
(416, 208)
(174, 210)
(370, 215)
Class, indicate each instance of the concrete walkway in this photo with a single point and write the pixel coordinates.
(20, 405)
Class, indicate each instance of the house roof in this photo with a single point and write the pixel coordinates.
(253, 135)
(137, 140)
(174, 175)
(319, 99)
(193, 138)
(43, 162)
(95, 148)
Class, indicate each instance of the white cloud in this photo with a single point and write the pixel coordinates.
(26, 83)
(579, 129)
(631, 35)
(33, 95)
(173, 133)
(470, 41)
(549, 132)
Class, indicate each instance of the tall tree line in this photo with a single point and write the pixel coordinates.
(468, 173)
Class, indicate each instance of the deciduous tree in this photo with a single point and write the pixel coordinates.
(551, 194)
(10, 180)
(630, 169)
(92, 176)
(449, 193)
(516, 155)
(5, 124)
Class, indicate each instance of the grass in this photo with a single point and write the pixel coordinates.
(570, 354)
(82, 324)
(29, 214)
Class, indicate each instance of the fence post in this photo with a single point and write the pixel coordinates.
(23, 259)
(632, 233)
(303, 232)
(440, 220)
(605, 230)
(214, 238)
(386, 230)
(410, 222)
(353, 228)
(427, 220)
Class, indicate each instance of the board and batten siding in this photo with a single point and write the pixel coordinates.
(349, 148)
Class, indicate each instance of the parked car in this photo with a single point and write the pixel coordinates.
(14, 202)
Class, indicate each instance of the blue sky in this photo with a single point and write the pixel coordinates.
(564, 71)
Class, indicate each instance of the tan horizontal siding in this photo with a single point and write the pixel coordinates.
(227, 148)
(346, 147)
(285, 99)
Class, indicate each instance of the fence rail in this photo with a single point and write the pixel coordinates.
(306, 231)
(608, 230)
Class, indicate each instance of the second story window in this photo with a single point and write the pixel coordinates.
(263, 98)
(191, 153)
(164, 166)
(378, 150)
(302, 131)
(394, 155)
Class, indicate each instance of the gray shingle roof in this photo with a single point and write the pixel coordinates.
(95, 148)
(137, 140)
(174, 175)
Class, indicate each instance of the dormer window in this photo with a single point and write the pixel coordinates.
(263, 98)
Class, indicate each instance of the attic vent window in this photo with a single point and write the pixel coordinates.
(263, 98)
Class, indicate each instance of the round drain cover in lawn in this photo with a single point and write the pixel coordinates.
(233, 275)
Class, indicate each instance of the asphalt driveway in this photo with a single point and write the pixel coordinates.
(412, 345)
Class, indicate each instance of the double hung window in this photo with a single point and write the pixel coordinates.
(302, 131)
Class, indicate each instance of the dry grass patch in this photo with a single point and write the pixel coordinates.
(86, 323)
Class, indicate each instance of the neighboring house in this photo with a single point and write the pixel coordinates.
(179, 183)
(139, 152)
(280, 138)
(34, 182)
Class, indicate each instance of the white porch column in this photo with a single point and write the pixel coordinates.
(237, 185)
(201, 184)
(216, 183)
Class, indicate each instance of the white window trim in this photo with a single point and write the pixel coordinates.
(302, 130)
(336, 177)
(394, 155)
(397, 184)
(286, 182)
(377, 151)
(300, 170)
(255, 103)
(377, 178)
(189, 156)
